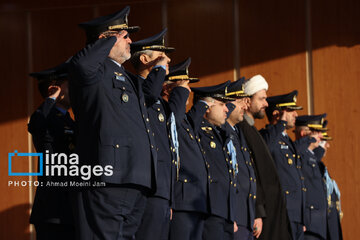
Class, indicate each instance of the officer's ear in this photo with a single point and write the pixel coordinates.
(144, 59)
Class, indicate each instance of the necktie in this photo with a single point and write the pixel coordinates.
(232, 151)
(174, 138)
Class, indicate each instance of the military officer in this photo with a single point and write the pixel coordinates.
(110, 110)
(310, 127)
(270, 202)
(281, 114)
(220, 154)
(191, 194)
(246, 178)
(149, 57)
(334, 213)
(52, 130)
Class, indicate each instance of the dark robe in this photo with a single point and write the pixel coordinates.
(276, 223)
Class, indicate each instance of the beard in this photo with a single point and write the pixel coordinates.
(260, 114)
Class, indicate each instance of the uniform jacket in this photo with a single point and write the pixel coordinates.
(315, 201)
(159, 116)
(245, 180)
(53, 131)
(222, 177)
(192, 182)
(288, 163)
(275, 222)
(110, 109)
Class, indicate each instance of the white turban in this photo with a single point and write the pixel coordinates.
(255, 84)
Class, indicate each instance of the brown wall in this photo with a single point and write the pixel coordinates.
(314, 48)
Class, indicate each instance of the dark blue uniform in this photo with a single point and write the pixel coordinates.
(288, 163)
(191, 187)
(222, 182)
(246, 184)
(156, 219)
(110, 109)
(315, 203)
(334, 230)
(54, 131)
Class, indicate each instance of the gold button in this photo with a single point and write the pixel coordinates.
(302, 178)
(173, 161)
(313, 165)
(304, 189)
(294, 155)
(185, 180)
(254, 180)
(251, 178)
(287, 192)
(286, 155)
(209, 176)
(117, 146)
(152, 146)
(148, 130)
(230, 171)
(231, 182)
(254, 197)
(230, 162)
(290, 161)
(250, 195)
(227, 159)
(144, 104)
(245, 149)
(147, 119)
(234, 184)
(173, 149)
(311, 207)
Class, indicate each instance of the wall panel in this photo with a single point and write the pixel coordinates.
(336, 83)
(272, 43)
(13, 95)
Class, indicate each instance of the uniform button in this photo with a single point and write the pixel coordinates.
(250, 195)
(251, 178)
(173, 161)
(294, 155)
(245, 149)
(152, 146)
(254, 196)
(249, 163)
(185, 180)
(208, 165)
(199, 140)
(313, 165)
(298, 156)
(287, 155)
(147, 119)
(231, 182)
(157, 149)
(223, 149)
(230, 162)
(287, 192)
(230, 171)
(234, 184)
(153, 134)
(254, 179)
(143, 116)
(284, 124)
(304, 189)
(169, 136)
(173, 149)
(117, 146)
(226, 159)
(246, 162)
(144, 104)
(311, 207)
(209, 176)
(148, 130)
(187, 129)
(302, 178)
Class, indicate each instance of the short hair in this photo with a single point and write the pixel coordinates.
(135, 57)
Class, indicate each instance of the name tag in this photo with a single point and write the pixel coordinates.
(284, 147)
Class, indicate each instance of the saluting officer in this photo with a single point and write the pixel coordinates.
(220, 154)
(281, 114)
(149, 58)
(191, 204)
(111, 113)
(310, 127)
(52, 130)
(334, 213)
(246, 179)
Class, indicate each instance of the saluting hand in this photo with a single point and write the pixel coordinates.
(54, 91)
